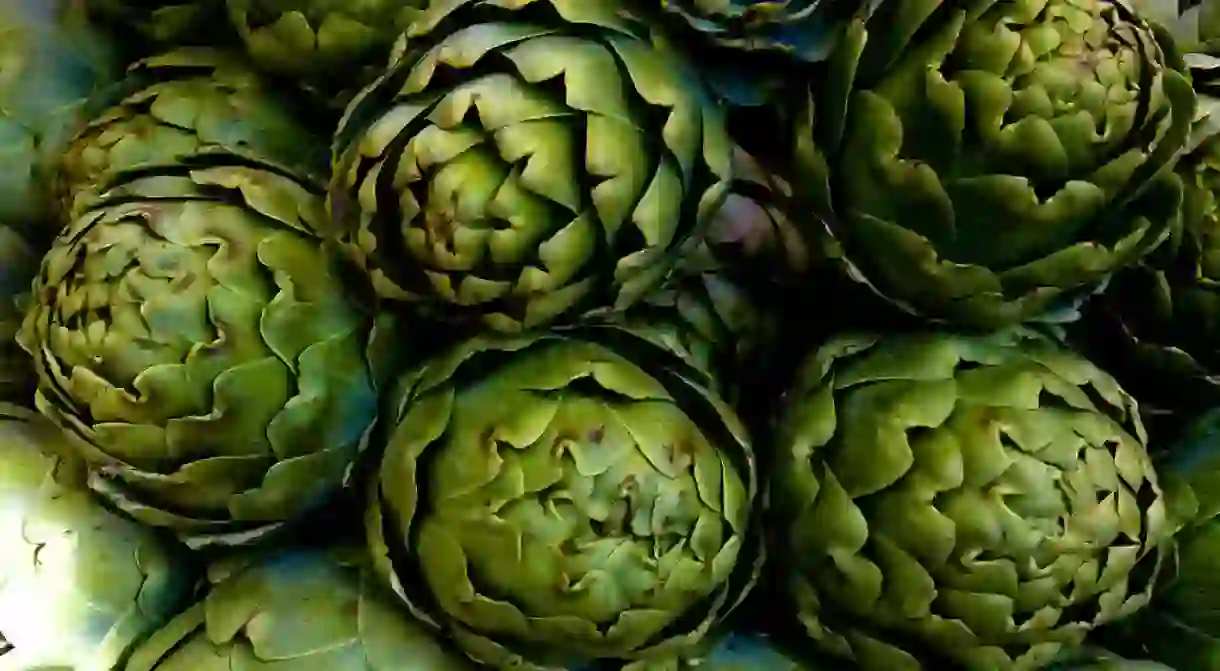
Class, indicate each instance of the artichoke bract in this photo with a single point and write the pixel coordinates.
(553, 500)
(321, 41)
(195, 344)
(79, 585)
(522, 161)
(986, 498)
(51, 62)
(184, 102)
(295, 610)
(985, 161)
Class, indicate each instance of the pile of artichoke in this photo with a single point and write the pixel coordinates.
(609, 335)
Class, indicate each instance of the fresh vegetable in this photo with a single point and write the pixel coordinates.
(199, 351)
(987, 161)
(523, 161)
(79, 585)
(558, 499)
(985, 499)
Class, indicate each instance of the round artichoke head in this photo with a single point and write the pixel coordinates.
(79, 585)
(523, 160)
(555, 500)
(195, 344)
(985, 498)
(983, 161)
(321, 39)
(295, 609)
(180, 103)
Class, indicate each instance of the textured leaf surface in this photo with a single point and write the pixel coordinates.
(558, 503)
(985, 499)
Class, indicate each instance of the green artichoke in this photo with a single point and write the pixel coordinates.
(164, 21)
(78, 585)
(573, 496)
(321, 41)
(184, 102)
(985, 498)
(295, 610)
(194, 343)
(522, 161)
(986, 161)
(51, 61)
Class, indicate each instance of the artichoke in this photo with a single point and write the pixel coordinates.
(295, 610)
(183, 102)
(200, 352)
(522, 161)
(51, 61)
(79, 586)
(987, 498)
(573, 496)
(321, 41)
(985, 161)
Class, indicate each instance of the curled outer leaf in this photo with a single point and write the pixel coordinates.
(79, 585)
(192, 340)
(524, 160)
(553, 500)
(985, 161)
(984, 498)
(296, 610)
(321, 39)
(183, 102)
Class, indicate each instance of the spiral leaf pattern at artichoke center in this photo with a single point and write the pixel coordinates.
(520, 169)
